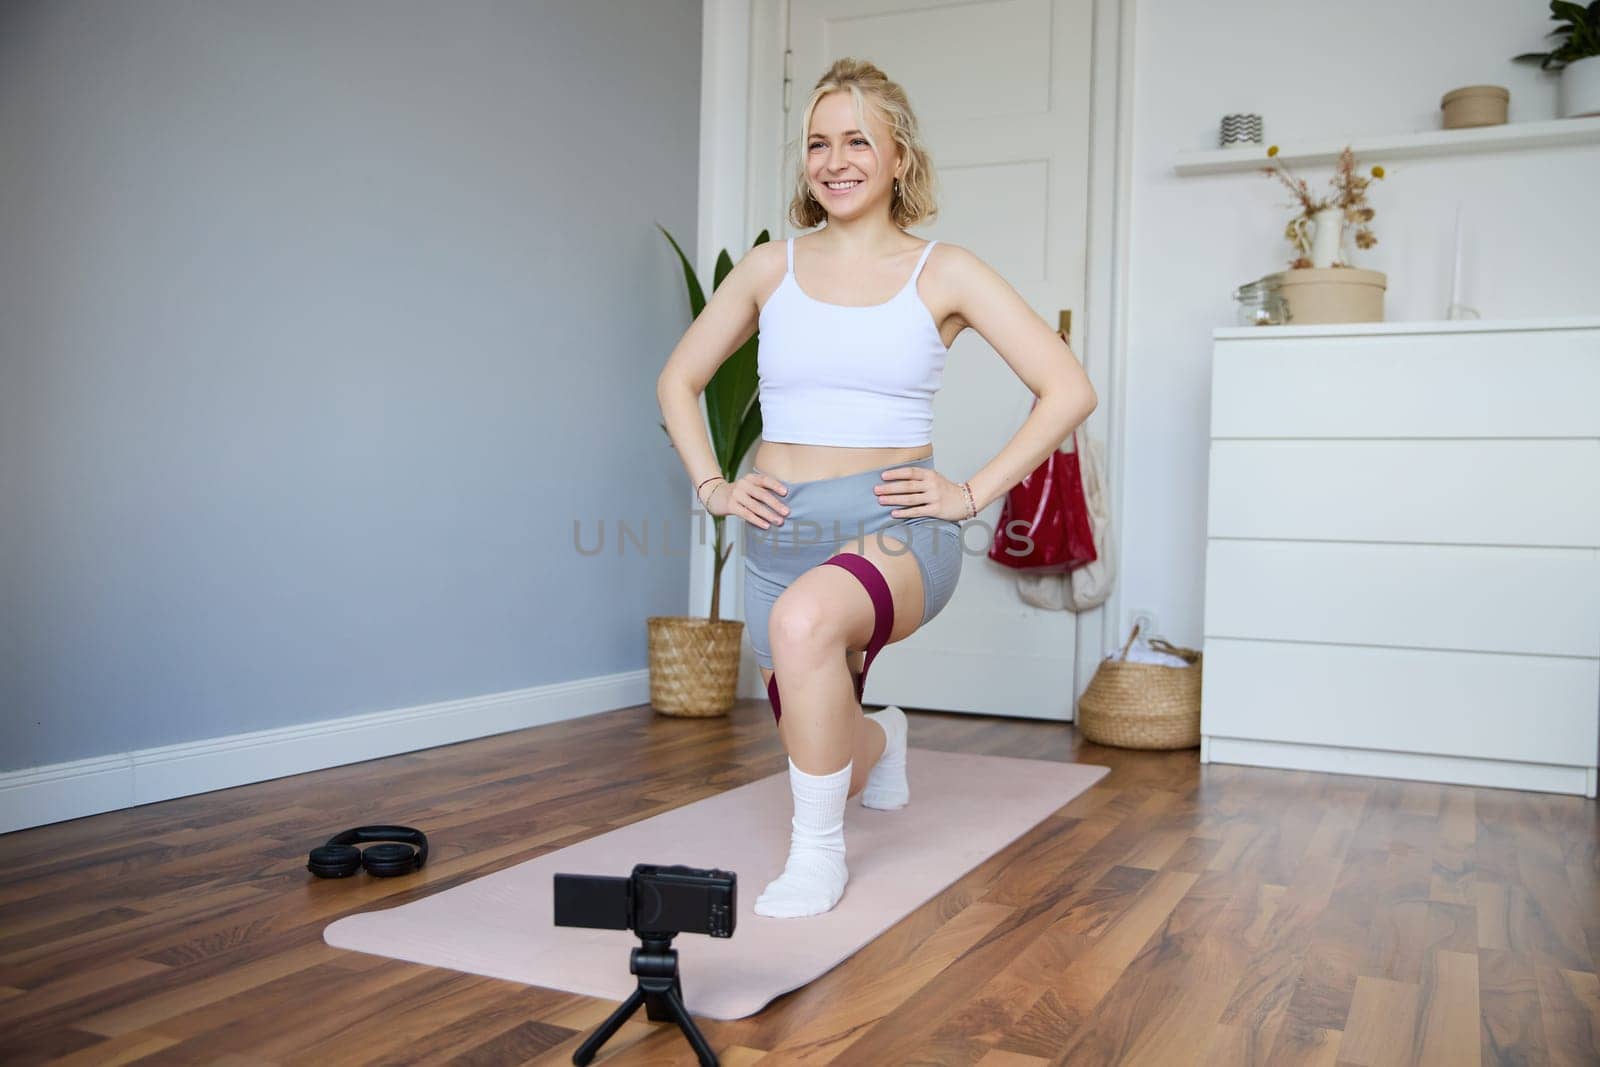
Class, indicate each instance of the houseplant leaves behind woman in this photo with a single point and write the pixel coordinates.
(694, 661)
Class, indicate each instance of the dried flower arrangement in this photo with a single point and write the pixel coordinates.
(1349, 195)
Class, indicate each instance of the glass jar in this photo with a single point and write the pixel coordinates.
(1259, 304)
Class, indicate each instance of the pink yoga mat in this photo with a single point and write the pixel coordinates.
(964, 809)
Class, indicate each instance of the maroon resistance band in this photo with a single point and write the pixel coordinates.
(883, 614)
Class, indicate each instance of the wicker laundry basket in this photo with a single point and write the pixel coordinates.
(1143, 705)
(694, 665)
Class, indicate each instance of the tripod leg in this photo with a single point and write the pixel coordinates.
(592, 1045)
(696, 1039)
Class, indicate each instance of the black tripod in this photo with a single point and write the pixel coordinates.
(656, 964)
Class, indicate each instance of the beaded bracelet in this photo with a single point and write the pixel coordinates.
(972, 510)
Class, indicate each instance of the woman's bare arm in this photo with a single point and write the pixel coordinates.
(1036, 353)
(723, 325)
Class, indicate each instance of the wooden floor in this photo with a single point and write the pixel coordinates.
(1172, 914)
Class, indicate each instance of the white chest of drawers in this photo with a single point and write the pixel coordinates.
(1403, 552)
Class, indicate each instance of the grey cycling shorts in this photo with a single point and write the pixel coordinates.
(833, 515)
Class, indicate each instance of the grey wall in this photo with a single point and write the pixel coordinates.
(320, 324)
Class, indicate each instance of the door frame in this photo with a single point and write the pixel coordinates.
(743, 51)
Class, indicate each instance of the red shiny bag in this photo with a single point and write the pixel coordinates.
(1044, 522)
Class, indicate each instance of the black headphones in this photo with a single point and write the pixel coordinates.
(339, 858)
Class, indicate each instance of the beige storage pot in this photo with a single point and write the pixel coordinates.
(1314, 295)
(1475, 105)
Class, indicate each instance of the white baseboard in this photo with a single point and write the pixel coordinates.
(1458, 770)
(60, 791)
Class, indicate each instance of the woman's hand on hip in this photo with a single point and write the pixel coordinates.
(753, 498)
(914, 491)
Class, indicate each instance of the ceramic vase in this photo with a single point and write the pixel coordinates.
(1327, 231)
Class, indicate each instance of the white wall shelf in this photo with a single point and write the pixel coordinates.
(1505, 138)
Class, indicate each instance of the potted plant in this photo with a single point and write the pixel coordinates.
(1577, 58)
(694, 661)
(1321, 285)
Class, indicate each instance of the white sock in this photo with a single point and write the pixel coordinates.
(813, 880)
(886, 785)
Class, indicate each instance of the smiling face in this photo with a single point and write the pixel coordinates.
(838, 151)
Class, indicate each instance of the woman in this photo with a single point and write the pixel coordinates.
(852, 538)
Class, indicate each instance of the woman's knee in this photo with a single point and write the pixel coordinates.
(800, 622)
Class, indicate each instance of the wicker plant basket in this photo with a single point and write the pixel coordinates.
(694, 665)
(1143, 705)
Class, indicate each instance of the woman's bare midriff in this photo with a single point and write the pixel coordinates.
(792, 462)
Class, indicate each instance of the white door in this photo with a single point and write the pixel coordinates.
(1001, 89)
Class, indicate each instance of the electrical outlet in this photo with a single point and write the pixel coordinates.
(1145, 619)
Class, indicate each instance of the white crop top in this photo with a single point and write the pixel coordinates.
(831, 374)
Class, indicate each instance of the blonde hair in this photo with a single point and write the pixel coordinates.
(915, 202)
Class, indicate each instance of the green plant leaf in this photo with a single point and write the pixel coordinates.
(749, 430)
(1583, 31)
(697, 299)
(1568, 11)
(732, 390)
(722, 390)
(1587, 39)
(728, 395)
